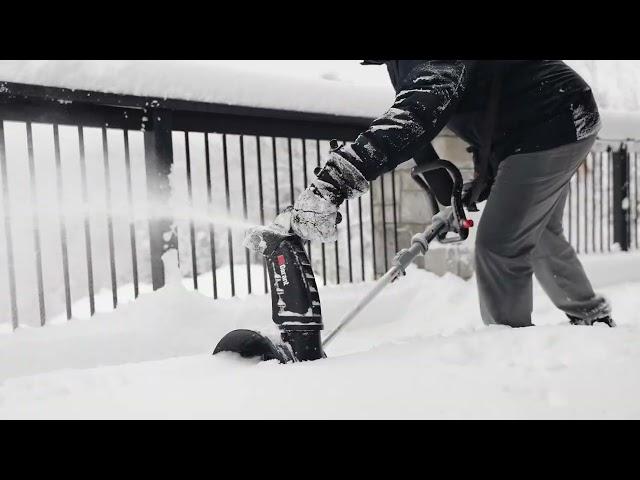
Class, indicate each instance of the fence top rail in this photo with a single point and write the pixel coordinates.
(76, 106)
(15, 92)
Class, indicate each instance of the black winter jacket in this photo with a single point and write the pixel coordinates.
(543, 104)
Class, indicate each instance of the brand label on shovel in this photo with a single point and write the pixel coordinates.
(283, 270)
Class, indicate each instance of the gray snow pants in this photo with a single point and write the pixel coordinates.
(520, 233)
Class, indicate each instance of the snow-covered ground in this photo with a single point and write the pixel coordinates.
(419, 351)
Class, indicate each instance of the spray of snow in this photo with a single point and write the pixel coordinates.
(172, 275)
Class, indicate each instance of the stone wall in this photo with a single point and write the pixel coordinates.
(413, 214)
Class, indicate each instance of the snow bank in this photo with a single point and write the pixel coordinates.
(419, 351)
(222, 83)
(202, 81)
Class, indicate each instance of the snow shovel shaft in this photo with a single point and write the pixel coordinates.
(419, 246)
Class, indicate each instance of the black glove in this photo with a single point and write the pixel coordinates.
(467, 188)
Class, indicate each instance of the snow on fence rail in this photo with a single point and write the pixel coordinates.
(97, 186)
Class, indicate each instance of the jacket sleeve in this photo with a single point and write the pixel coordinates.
(427, 93)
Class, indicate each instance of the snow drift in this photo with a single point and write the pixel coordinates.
(201, 81)
(419, 351)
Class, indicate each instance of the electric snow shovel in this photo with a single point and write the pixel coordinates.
(295, 301)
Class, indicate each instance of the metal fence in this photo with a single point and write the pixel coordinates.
(270, 173)
(97, 187)
(603, 203)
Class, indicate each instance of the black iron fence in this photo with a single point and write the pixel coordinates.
(97, 187)
(603, 203)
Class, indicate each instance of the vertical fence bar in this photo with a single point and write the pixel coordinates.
(373, 231)
(322, 247)
(621, 232)
(62, 222)
(158, 150)
(132, 227)
(304, 186)
(586, 204)
(395, 218)
(7, 229)
(635, 196)
(349, 242)
(228, 203)
(336, 253)
(593, 201)
(384, 224)
(337, 260)
(291, 189)
(275, 174)
(304, 164)
(348, 215)
(361, 228)
(107, 184)
(569, 208)
(192, 228)
(247, 254)
(609, 194)
(261, 199)
(36, 226)
(578, 209)
(212, 237)
(87, 225)
(601, 204)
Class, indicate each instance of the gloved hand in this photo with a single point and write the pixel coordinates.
(468, 187)
(466, 195)
(315, 213)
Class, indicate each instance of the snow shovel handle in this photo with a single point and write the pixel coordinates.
(419, 246)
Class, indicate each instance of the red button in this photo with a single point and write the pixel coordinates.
(467, 223)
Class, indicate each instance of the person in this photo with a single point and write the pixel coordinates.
(538, 121)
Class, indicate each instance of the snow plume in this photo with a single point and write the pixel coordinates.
(172, 275)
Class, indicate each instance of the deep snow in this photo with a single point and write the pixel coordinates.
(419, 351)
